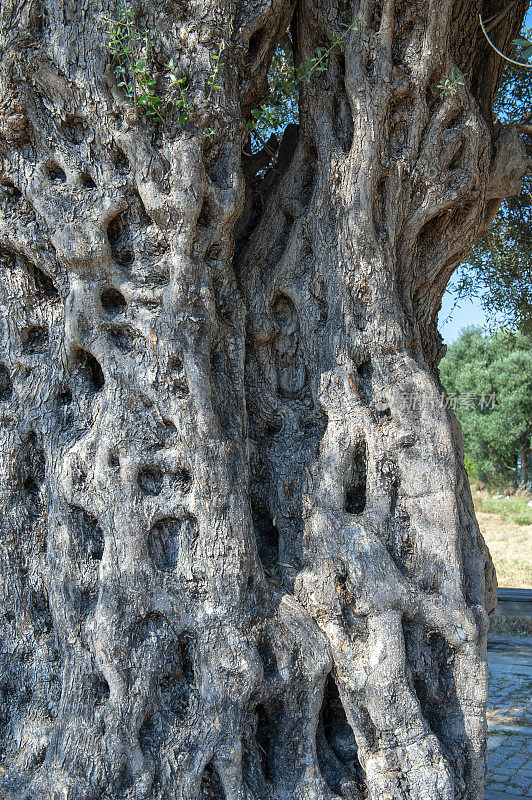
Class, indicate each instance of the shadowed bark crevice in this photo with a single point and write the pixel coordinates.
(6, 384)
(356, 487)
(211, 785)
(89, 370)
(337, 748)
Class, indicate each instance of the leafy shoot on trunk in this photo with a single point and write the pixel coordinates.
(280, 105)
(450, 84)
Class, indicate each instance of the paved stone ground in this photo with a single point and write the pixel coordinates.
(510, 720)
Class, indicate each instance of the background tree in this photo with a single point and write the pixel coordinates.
(491, 379)
(232, 564)
(499, 269)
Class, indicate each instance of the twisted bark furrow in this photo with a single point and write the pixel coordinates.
(385, 545)
(235, 562)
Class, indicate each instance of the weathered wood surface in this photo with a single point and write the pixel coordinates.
(233, 563)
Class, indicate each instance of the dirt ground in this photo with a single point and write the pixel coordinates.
(509, 541)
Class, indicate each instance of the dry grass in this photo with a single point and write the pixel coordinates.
(506, 524)
(510, 626)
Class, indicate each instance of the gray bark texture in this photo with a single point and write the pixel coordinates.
(234, 565)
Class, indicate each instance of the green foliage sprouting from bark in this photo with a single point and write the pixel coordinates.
(129, 47)
(284, 78)
(281, 104)
(450, 84)
(182, 102)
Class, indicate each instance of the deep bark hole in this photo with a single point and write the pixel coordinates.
(118, 234)
(55, 173)
(89, 370)
(45, 288)
(337, 749)
(267, 535)
(34, 339)
(6, 384)
(264, 737)
(355, 492)
(113, 302)
(211, 785)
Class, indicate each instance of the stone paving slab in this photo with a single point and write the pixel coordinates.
(510, 720)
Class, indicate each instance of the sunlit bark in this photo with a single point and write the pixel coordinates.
(239, 557)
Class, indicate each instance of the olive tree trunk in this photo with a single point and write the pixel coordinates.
(238, 552)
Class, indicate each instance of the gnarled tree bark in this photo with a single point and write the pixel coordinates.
(235, 563)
